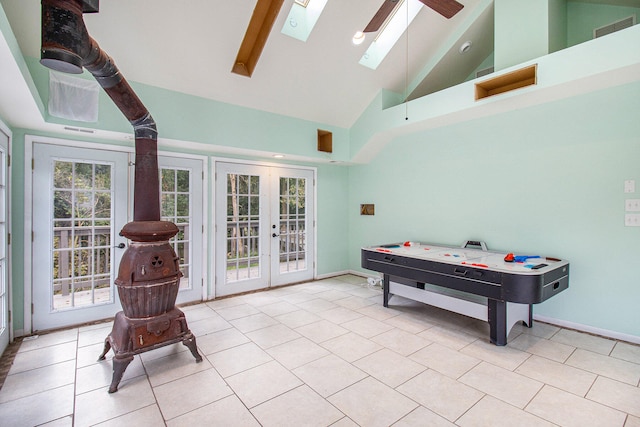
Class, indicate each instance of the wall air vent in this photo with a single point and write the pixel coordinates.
(484, 72)
(615, 26)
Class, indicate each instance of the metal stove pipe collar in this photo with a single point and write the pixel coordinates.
(101, 66)
(145, 127)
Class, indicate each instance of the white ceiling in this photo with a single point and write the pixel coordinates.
(190, 47)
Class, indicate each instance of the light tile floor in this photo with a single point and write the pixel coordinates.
(327, 353)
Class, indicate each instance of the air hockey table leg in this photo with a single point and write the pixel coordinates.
(385, 290)
(497, 321)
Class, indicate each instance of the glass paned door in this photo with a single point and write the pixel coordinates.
(181, 195)
(80, 206)
(264, 227)
(81, 224)
(293, 262)
(241, 228)
(4, 215)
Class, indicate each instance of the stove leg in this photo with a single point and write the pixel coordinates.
(107, 347)
(190, 342)
(119, 366)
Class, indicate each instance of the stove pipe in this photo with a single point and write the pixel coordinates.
(149, 262)
(67, 47)
(149, 272)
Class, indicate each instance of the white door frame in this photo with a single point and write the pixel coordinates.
(212, 236)
(9, 320)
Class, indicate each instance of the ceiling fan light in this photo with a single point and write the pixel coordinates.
(358, 38)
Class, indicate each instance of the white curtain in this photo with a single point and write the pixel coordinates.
(73, 98)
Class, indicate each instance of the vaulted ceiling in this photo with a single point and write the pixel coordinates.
(190, 47)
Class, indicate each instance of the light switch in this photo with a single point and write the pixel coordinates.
(630, 186)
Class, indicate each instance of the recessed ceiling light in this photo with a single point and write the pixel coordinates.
(358, 38)
(465, 47)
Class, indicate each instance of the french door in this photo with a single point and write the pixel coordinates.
(4, 247)
(264, 227)
(181, 191)
(80, 204)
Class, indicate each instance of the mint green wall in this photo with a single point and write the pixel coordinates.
(332, 227)
(191, 118)
(557, 17)
(546, 180)
(521, 31)
(585, 17)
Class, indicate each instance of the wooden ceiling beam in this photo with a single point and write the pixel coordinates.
(262, 20)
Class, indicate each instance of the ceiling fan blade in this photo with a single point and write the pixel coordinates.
(446, 8)
(381, 15)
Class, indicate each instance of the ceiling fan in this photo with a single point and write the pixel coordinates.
(446, 8)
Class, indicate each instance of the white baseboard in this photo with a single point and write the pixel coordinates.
(588, 329)
(334, 274)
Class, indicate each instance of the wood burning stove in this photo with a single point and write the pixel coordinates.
(149, 273)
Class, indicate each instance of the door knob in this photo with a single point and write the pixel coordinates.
(120, 246)
(274, 235)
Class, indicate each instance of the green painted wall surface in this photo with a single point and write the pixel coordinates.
(557, 25)
(585, 17)
(191, 118)
(332, 227)
(521, 31)
(546, 179)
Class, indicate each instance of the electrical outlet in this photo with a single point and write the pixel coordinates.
(632, 220)
(630, 186)
(632, 205)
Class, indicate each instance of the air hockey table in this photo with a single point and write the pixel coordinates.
(470, 280)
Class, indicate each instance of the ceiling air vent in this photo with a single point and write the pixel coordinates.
(484, 72)
(614, 26)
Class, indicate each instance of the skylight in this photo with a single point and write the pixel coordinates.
(302, 18)
(389, 35)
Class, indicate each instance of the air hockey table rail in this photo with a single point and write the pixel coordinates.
(469, 279)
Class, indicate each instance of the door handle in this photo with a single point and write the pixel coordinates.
(275, 235)
(120, 246)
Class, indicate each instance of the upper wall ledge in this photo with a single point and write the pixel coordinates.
(598, 64)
